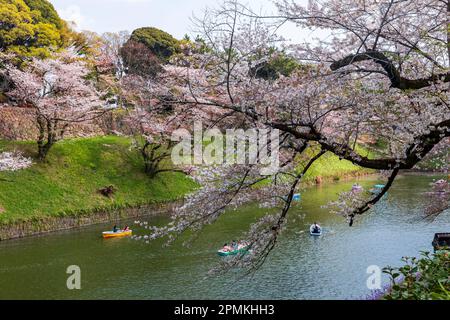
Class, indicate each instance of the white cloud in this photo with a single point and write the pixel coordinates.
(73, 15)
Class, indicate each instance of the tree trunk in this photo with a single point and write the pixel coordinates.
(151, 160)
(151, 169)
(48, 135)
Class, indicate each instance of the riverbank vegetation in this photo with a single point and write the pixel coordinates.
(424, 278)
(68, 182)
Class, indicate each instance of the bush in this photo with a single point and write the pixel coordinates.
(426, 278)
(160, 43)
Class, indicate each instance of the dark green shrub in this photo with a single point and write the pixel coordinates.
(160, 43)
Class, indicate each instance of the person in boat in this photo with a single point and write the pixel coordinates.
(243, 244)
(127, 228)
(440, 186)
(234, 245)
(115, 229)
(226, 248)
(316, 228)
(356, 188)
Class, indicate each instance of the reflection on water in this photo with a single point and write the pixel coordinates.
(332, 266)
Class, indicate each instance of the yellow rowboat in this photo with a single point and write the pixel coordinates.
(118, 234)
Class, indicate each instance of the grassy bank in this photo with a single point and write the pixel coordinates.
(67, 183)
(330, 168)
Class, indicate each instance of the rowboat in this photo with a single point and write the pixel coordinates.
(117, 234)
(295, 197)
(313, 232)
(377, 189)
(441, 241)
(223, 253)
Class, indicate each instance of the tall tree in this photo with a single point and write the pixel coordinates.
(31, 28)
(111, 46)
(160, 43)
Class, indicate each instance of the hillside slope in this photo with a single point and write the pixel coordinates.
(68, 183)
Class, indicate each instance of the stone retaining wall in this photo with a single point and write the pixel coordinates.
(19, 124)
(50, 224)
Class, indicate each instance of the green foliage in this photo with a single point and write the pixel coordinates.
(161, 44)
(47, 12)
(198, 45)
(67, 183)
(426, 278)
(31, 28)
(382, 143)
(284, 64)
(279, 63)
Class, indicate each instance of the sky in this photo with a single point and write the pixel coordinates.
(172, 16)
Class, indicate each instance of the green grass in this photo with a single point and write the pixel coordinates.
(67, 183)
(330, 167)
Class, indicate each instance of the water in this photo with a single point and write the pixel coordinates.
(332, 266)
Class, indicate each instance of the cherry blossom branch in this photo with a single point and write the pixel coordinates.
(270, 235)
(397, 81)
(369, 204)
(423, 143)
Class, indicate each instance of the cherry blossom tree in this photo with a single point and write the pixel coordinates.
(153, 119)
(151, 138)
(382, 73)
(112, 42)
(138, 59)
(14, 161)
(60, 94)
